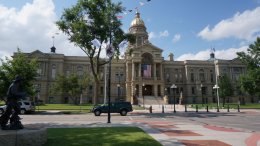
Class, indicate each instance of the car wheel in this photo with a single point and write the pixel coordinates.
(1, 111)
(123, 112)
(97, 112)
(23, 111)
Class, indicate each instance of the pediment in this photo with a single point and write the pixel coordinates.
(148, 48)
(235, 60)
(37, 54)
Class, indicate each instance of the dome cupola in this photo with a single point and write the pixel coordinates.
(137, 21)
(138, 29)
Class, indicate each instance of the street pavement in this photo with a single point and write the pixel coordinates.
(169, 128)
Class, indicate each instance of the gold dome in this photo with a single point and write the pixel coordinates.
(137, 21)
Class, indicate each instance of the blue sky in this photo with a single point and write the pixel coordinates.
(187, 28)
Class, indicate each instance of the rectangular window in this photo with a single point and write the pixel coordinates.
(192, 90)
(204, 90)
(101, 90)
(211, 78)
(192, 77)
(202, 77)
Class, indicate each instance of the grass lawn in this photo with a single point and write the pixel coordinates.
(83, 107)
(101, 136)
(72, 107)
(250, 105)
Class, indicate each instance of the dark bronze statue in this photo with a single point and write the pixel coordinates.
(14, 94)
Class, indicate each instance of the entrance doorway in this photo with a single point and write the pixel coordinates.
(147, 90)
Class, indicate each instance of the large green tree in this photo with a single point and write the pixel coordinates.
(226, 89)
(250, 82)
(19, 65)
(90, 19)
(71, 86)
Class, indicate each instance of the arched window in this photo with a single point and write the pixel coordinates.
(53, 71)
(201, 75)
(147, 61)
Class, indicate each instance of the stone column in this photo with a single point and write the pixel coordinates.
(128, 93)
(140, 91)
(154, 71)
(140, 70)
(161, 72)
(133, 71)
(155, 90)
(127, 72)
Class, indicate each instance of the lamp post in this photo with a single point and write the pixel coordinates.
(118, 91)
(119, 75)
(201, 88)
(173, 87)
(80, 100)
(217, 87)
(144, 89)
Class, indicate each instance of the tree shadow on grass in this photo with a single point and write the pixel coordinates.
(99, 136)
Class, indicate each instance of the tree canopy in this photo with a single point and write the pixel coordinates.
(19, 65)
(89, 20)
(71, 85)
(226, 88)
(250, 82)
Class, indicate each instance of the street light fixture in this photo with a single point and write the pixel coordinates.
(173, 87)
(118, 91)
(201, 88)
(144, 89)
(217, 87)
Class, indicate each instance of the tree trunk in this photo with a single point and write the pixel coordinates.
(96, 89)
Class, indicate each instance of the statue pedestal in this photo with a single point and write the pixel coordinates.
(29, 136)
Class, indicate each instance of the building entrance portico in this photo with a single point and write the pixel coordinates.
(147, 90)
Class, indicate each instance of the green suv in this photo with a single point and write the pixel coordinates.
(116, 107)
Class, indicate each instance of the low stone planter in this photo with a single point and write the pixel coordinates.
(29, 136)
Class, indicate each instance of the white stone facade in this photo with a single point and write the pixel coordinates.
(129, 76)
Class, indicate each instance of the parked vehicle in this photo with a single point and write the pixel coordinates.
(116, 107)
(2, 109)
(26, 107)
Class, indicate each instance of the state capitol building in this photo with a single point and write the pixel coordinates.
(142, 75)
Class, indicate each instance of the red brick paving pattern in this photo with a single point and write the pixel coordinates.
(203, 143)
(160, 125)
(253, 139)
(216, 128)
(180, 133)
(163, 126)
(154, 122)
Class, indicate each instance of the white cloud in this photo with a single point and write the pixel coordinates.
(152, 35)
(245, 26)
(31, 28)
(176, 38)
(161, 34)
(164, 34)
(227, 54)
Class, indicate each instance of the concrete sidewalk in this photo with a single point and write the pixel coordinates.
(177, 134)
(174, 133)
(169, 134)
